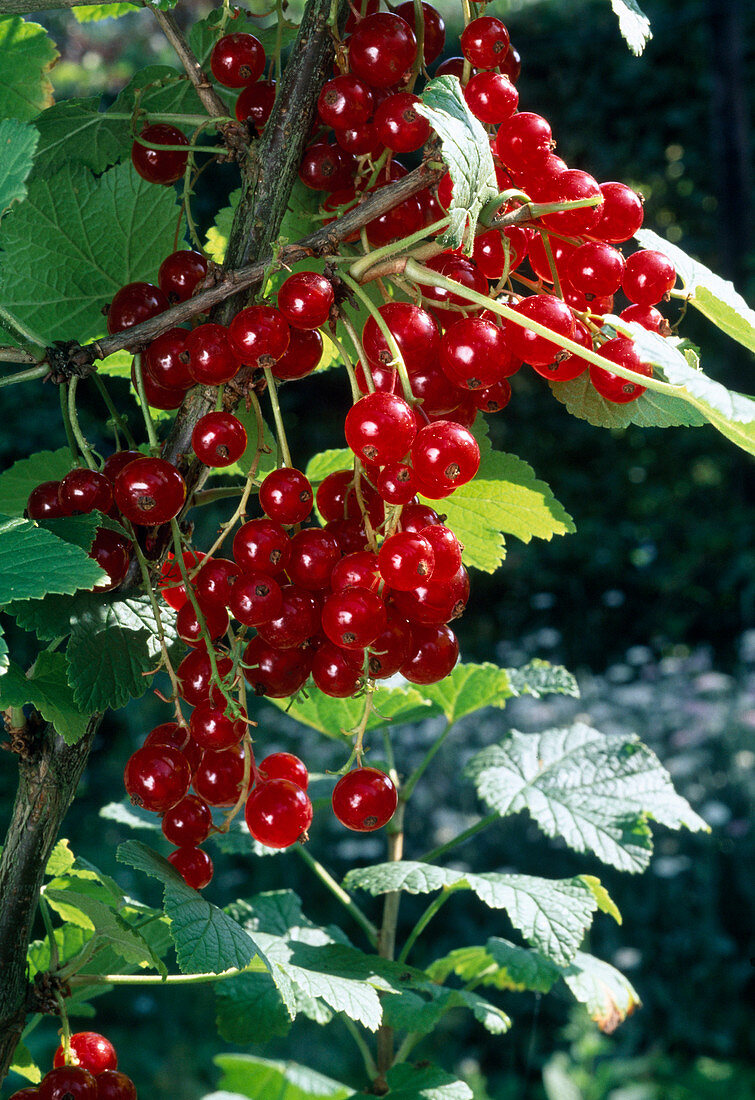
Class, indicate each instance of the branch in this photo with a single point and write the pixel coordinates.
(211, 101)
(20, 7)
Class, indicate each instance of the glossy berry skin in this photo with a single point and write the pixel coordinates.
(261, 546)
(548, 311)
(68, 1083)
(313, 555)
(259, 335)
(255, 104)
(474, 354)
(399, 125)
(180, 273)
(345, 101)
(188, 627)
(568, 186)
(276, 673)
(286, 496)
(214, 582)
(444, 455)
(195, 676)
(25, 1094)
(44, 501)
(193, 865)
(327, 167)
(446, 550)
(149, 491)
(613, 387)
(237, 60)
(212, 359)
(434, 653)
(219, 439)
(414, 329)
(213, 729)
(82, 491)
(160, 165)
(300, 358)
(157, 777)
(158, 397)
(176, 737)
(164, 360)
(188, 823)
(491, 97)
(112, 552)
(277, 813)
(568, 367)
(380, 428)
(434, 602)
(364, 799)
(460, 270)
(220, 775)
(284, 765)
(298, 619)
(171, 584)
(305, 299)
(647, 316)
(90, 1050)
(353, 618)
(435, 28)
(494, 398)
(415, 516)
(134, 303)
(114, 1085)
(396, 483)
(648, 277)
(357, 570)
(621, 214)
(255, 599)
(485, 42)
(337, 499)
(391, 647)
(523, 138)
(406, 559)
(337, 672)
(381, 49)
(595, 269)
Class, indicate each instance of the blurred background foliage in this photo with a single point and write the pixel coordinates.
(651, 602)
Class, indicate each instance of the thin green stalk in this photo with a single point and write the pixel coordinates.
(360, 266)
(408, 1044)
(18, 328)
(279, 428)
(149, 423)
(66, 1027)
(29, 375)
(71, 438)
(73, 417)
(363, 360)
(338, 892)
(398, 359)
(73, 966)
(178, 148)
(175, 119)
(411, 782)
(551, 262)
(157, 979)
(119, 421)
(369, 1062)
(462, 838)
(437, 903)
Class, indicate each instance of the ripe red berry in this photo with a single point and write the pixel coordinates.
(44, 501)
(569, 186)
(164, 361)
(219, 439)
(345, 101)
(83, 490)
(195, 677)
(647, 316)
(391, 648)
(567, 367)
(212, 359)
(414, 329)
(620, 215)
(364, 799)
(522, 138)
(399, 124)
(548, 311)
(434, 602)
(327, 167)
(435, 28)
(444, 456)
(134, 303)
(112, 552)
(434, 653)
(159, 165)
(305, 299)
(255, 104)
(297, 620)
(284, 765)
(485, 42)
(277, 813)
(396, 483)
(220, 775)
(313, 554)
(337, 672)
(446, 550)
(259, 335)
(188, 822)
(302, 355)
(176, 737)
(157, 777)
(595, 269)
(406, 560)
(612, 386)
(494, 398)
(380, 428)
(648, 277)
(276, 673)
(114, 1085)
(171, 584)
(90, 1050)
(149, 491)
(286, 496)
(491, 97)
(193, 865)
(180, 273)
(381, 49)
(68, 1083)
(261, 546)
(255, 599)
(353, 618)
(25, 1094)
(475, 353)
(188, 627)
(237, 60)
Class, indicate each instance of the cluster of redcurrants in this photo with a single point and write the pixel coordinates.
(90, 1073)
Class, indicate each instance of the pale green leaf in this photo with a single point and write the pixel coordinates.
(466, 151)
(34, 562)
(329, 462)
(650, 410)
(606, 904)
(540, 678)
(28, 55)
(61, 859)
(246, 1075)
(336, 717)
(108, 924)
(48, 690)
(24, 1065)
(216, 241)
(595, 791)
(18, 140)
(469, 688)
(93, 13)
(608, 996)
(19, 479)
(76, 130)
(633, 24)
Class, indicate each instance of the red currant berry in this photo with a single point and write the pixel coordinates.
(171, 584)
(511, 65)
(261, 546)
(276, 673)
(485, 42)
(391, 648)
(396, 483)
(359, 140)
(612, 386)
(237, 60)
(134, 303)
(165, 363)
(434, 653)
(188, 823)
(444, 456)
(364, 799)
(434, 602)
(189, 630)
(220, 776)
(648, 277)
(112, 552)
(401, 221)
(90, 1050)
(157, 777)
(313, 554)
(44, 501)
(219, 439)
(159, 165)
(255, 104)
(25, 1094)
(278, 813)
(620, 215)
(459, 270)
(256, 598)
(491, 97)
(305, 299)
(415, 516)
(214, 582)
(82, 491)
(475, 354)
(345, 101)
(181, 273)
(158, 397)
(149, 491)
(647, 316)
(286, 496)
(298, 619)
(568, 186)
(284, 765)
(548, 311)
(353, 618)
(380, 428)
(210, 355)
(399, 124)
(300, 358)
(595, 269)
(567, 367)
(435, 28)
(68, 1083)
(357, 570)
(337, 672)
(259, 335)
(176, 737)
(114, 1085)
(490, 253)
(494, 398)
(522, 139)
(327, 167)
(561, 251)
(414, 330)
(406, 560)
(446, 549)
(195, 676)
(381, 49)
(193, 865)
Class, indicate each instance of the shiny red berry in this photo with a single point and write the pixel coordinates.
(255, 104)
(157, 777)
(612, 386)
(149, 491)
(444, 456)
(353, 618)
(44, 501)
(114, 1085)
(180, 273)
(220, 775)
(84, 490)
(188, 823)
(262, 546)
(193, 865)
(381, 49)
(286, 496)
(211, 358)
(68, 1083)
(278, 813)
(364, 799)
(90, 1050)
(219, 439)
(380, 428)
(277, 673)
(648, 277)
(237, 60)
(259, 335)
(485, 42)
(134, 303)
(435, 28)
(305, 299)
(284, 765)
(434, 653)
(159, 165)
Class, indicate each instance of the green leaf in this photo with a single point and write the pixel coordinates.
(4, 660)
(77, 131)
(93, 13)
(250, 1010)
(104, 232)
(607, 994)
(422, 1082)
(207, 940)
(24, 1065)
(329, 462)
(606, 904)
(108, 925)
(48, 690)
(33, 562)
(18, 141)
(633, 24)
(335, 717)
(267, 459)
(61, 860)
(19, 479)
(714, 297)
(255, 1077)
(159, 89)
(594, 790)
(500, 964)
(552, 914)
(505, 496)
(113, 643)
(28, 55)
(51, 617)
(466, 151)
(650, 410)
(420, 1014)
(217, 236)
(540, 678)
(469, 688)
(76, 530)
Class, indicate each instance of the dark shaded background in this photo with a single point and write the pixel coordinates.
(651, 601)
